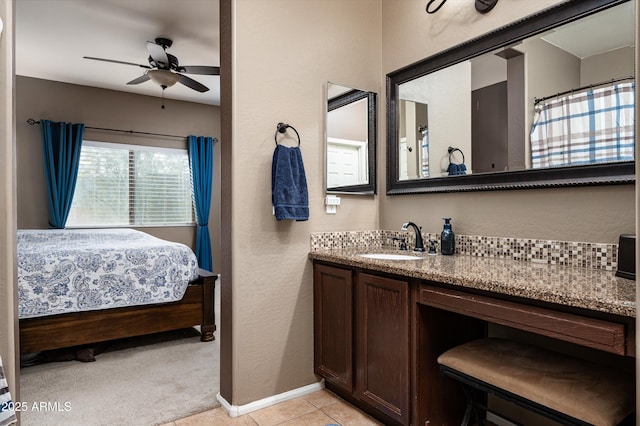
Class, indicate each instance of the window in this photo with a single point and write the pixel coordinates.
(130, 185)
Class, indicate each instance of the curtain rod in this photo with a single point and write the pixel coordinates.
(602, 83)
(31, 121)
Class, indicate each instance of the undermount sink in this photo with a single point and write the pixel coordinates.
(386, 256)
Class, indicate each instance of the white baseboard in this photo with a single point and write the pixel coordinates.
(239, 410)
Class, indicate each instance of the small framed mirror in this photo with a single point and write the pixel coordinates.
(350, 145)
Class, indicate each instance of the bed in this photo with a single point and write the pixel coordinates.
(78, 287)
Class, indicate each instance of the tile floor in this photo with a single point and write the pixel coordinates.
(315, 409)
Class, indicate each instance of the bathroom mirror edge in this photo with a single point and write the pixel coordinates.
(593, 174)
(369, 187)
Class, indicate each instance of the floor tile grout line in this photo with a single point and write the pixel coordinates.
(290, 418)
(316, 409)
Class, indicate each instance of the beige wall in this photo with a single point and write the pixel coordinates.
(597, 214)
(8, 293)
(43, 99)
(617, 63)
(284, 52)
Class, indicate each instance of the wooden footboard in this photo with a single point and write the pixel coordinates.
(197, 307)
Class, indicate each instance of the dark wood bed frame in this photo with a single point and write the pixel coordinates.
(197, 307)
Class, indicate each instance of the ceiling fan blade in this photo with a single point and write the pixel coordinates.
(159, 55)
(198, 69)
(191, 83)
(141, 79)
(117, 62)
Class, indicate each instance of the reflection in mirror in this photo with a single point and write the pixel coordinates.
(351, 140)
(414, 140)
(447, 92)
(525, 110)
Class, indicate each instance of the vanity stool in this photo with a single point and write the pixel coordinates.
(568, 390)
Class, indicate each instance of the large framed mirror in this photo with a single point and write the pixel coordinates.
(545, 101)
(350, 146)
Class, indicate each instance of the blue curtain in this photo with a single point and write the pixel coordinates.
(61, 143)
(201, 164)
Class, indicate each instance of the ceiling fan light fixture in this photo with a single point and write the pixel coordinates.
(163, 78)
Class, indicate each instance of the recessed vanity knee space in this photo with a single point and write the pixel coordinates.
(380, 325)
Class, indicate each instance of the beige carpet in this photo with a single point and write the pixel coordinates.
(143, 381)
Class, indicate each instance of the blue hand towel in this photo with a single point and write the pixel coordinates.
(457, 169)
(289, 184)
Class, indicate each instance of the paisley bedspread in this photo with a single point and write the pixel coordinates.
(62, 271)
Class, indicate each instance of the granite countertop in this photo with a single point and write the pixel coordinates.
(587, 288)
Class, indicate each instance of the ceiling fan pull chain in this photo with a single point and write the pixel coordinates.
(163, 98)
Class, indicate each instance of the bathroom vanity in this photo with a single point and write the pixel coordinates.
(379, 325)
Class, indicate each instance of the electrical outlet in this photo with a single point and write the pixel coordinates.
(332, 200)
(331, 209)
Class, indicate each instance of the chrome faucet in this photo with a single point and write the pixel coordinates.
(419, 245)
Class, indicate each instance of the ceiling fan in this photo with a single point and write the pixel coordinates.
(164, 68)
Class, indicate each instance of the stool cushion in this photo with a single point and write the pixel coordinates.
(584, 390)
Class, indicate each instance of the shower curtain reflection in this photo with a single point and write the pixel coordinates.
(586, 127)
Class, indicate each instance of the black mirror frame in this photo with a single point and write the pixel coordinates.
(596, 174)
(372, 131)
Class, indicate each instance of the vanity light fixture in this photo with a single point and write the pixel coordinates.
(482, 6)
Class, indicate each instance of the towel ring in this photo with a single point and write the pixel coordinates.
(282, 128)
(451, 150)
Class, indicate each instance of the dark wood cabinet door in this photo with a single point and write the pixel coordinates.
(382, 345)
(333, 325)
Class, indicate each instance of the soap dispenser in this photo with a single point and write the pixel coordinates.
(447, 238)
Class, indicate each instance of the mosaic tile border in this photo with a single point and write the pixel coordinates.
(552, 252)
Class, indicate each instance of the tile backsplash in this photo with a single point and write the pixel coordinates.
(553, 252)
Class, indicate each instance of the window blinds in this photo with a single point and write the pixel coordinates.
(129, 185)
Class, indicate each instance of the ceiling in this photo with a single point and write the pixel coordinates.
(52, 36)
(581, 40)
